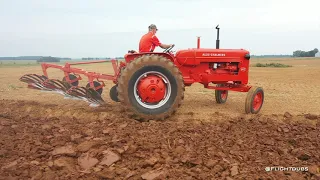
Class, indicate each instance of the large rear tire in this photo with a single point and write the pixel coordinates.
(151, 87)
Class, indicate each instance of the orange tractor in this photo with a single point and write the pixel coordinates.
(151, 85)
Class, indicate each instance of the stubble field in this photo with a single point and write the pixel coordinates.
(44, 136)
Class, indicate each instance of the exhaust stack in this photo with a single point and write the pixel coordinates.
(218, 40)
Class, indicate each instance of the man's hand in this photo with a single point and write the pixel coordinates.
(165, 46)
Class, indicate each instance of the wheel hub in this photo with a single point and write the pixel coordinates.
(257, 101)
(151, 89)
(224, 94)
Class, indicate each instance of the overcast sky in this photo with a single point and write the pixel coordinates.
(108, 28)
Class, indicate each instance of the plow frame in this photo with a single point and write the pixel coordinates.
(67, 69)
(69, 86)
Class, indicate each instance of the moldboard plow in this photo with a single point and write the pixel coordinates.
(69, 85)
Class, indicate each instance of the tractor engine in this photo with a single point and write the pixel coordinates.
(224, 67)
(213, 65)
(216, 66)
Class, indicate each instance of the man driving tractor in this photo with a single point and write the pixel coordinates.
(149, 41)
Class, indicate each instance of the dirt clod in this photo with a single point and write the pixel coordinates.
(10, 165)
(64, 150)
(85, 146)
(315, 170)
(109, 158)
(234, 170)
(311, 116)
(285, 129)
(152, 161)
(86, 161)
(304, 157)
(211, 163)
(65, 162)
(287, 115)
(34, 163)
(151, 175)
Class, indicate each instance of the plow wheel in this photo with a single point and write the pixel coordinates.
(71, 77)
(114, 93)
(221, 95)
(96, 84)
(254, 100)
(151, 87)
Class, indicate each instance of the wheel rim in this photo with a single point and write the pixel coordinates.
(257, 101)
(152, 90)
(224, 94)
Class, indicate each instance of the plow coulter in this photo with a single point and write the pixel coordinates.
(69, 85)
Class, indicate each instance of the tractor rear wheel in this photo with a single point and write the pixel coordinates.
(151, 87)
(254, 100)
(221, 95)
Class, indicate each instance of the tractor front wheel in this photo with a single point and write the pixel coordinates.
(151, 87)
(254, 100)
(221, 95)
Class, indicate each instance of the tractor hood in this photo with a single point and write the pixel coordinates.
(195, 56)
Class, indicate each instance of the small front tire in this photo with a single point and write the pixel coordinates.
(254, 100)
(221, 95)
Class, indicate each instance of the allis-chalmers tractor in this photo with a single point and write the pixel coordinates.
(151, 85)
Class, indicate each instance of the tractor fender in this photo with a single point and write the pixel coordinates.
(131, 56)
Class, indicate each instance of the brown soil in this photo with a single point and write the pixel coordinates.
(44, 136)
(44, 141)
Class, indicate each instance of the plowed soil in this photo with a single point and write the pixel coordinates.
(44, 136)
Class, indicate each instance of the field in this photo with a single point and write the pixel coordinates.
(44, 136)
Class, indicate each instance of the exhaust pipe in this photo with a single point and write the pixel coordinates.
(218, 40)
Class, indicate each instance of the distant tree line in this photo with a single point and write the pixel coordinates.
(41, 58)
(89, 58)
(95, 58)
(271, 56)
(21, 58)
(48, 59)
(300, 53)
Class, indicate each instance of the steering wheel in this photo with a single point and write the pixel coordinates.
(168, 49)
